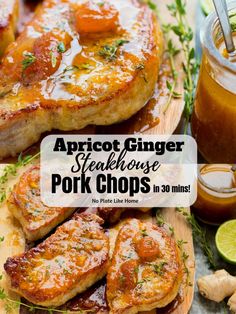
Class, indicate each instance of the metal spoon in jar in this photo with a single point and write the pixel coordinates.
(222, 13)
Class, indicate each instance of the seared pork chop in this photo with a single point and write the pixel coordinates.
(145, 271)
(67, 263)
(25, 203)
(77, 63)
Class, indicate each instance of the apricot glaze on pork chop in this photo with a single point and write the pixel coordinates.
(146, 269)
(77, 63)
(65, 264)
(24, 202)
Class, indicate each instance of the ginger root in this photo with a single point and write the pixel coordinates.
(232, 303)
(218, 286)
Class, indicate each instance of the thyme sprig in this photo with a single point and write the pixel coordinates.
(109, 52)
(11, 171)
(159, 268)
(184, 257)
(11, 304)
(199, 235)
(171, 52)
(184, 33)
(29, 58)
(162, 223)
(151, 5)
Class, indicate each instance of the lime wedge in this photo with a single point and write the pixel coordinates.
(226, 241)
(207, 6)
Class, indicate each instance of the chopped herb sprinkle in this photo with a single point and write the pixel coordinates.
(61, 47)
(144, 233)
(159, 268)
(29, 59)
(109, 51)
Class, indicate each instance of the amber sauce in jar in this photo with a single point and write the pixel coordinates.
(216, 201)
(214, 116)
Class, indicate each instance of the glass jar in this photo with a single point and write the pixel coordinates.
(214, 116)
(216, 201)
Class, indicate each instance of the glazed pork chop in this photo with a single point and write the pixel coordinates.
(145, 271)
(25, 204)
(67, 263)
(77, 63)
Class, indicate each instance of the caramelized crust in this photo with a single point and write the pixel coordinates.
(145, 271)
(25, 203)
(67, 263)
(87, 62)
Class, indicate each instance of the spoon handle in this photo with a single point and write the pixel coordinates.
(222, 12)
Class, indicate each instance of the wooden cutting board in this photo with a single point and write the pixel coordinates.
(183, 232)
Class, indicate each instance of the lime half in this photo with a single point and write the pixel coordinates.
(226, 241)
(207, 6)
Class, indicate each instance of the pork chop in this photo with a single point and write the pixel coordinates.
(25, 204)
(67, 263)
(77, 63)
(145, 271)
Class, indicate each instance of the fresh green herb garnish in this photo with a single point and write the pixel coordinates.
(233, 27)
(82, 66)
(2, 239)
(29, 59)
(136, 269)
(190, 65)
(184, 257)
(172, 230)
(184, 33)
(161, 223)
(159, 268)
(100, 4)
(151, 5)
(200, 236)
(144, 233)
(121, 42)
(11, 304)
(160, 220)
(85, 66)
(61, 47)
(70, 68)
(109, 51)
(140, 67)
(141, 282)
(11, 171)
